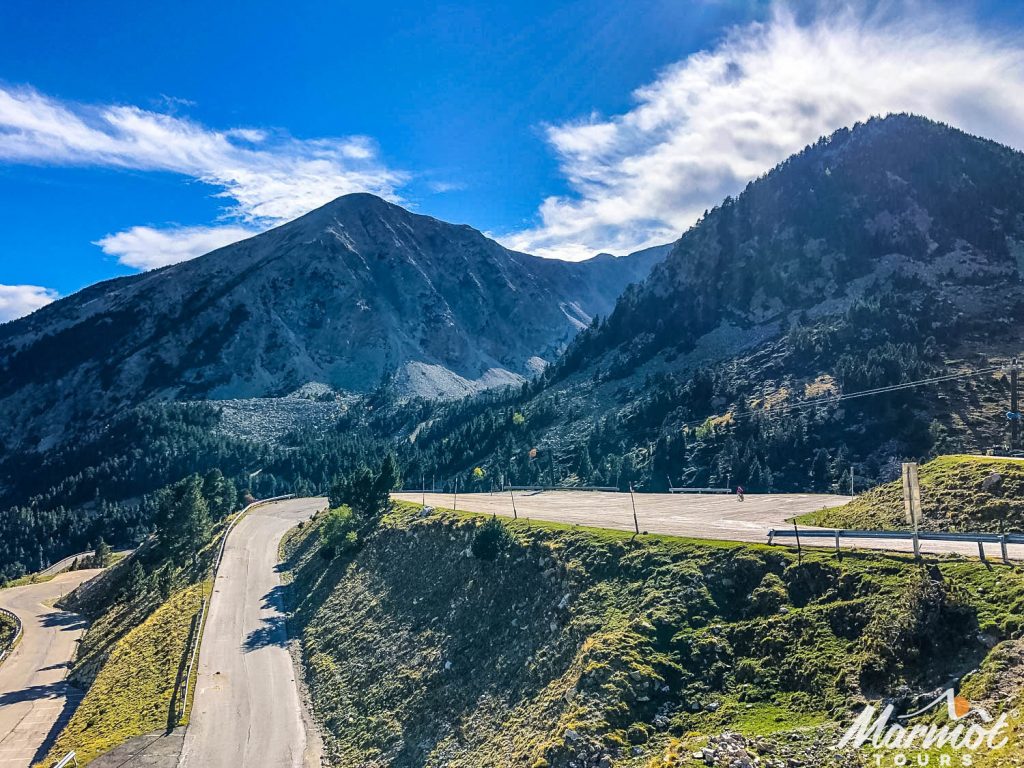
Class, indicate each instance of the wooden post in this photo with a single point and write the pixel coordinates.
(515, 515)
(915, 494)
(799, 550)
(981, 551)
(912, 501)
(1002, 546)
(636, 523)
(455, 501)
(907, 496)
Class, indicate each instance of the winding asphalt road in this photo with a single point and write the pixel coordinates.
(698, 516)
(35, 700)
(247, 709)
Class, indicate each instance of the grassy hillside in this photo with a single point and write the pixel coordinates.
(133, 690)
(956, 495)
(132, 658)
(581, 647)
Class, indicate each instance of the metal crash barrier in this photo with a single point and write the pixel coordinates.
(838, 534)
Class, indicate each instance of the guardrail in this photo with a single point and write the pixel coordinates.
(197, 630)
(68, 759)
(201, 623)
(63, 564)
(700, 490)
(19, 628)
(560, 488)
(916, 537)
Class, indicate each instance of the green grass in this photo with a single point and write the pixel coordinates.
(952, 499)
(29, 578)
(418, 655)
(133, 690)
(7, 630)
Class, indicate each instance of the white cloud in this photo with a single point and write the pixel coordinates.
(268, 178)
(19, 300)
(440, 187)
(720, 117)
(149, 248)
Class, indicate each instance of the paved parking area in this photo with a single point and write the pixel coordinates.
(699, 516)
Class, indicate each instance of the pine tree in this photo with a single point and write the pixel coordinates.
(585, 469)
(183, 518)
(101, 555)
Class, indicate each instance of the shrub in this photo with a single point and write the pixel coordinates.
(637, 734)
(339, 532)
(490, 539)
(769, 596)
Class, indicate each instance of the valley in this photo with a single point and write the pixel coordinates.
(852, 310)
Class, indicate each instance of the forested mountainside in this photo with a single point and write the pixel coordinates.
(891, 252)
(887, 253)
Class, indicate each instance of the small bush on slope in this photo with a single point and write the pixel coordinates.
(490, 540)
(7, 630)
(953, 497)
(578, 642)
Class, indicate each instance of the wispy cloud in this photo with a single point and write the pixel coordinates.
(720, 117)
(264, 177)
(149, 248)
(19, 300)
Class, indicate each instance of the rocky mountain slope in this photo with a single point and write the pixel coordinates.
(343, 296)
(885, 253)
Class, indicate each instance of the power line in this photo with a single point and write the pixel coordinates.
(831, 399)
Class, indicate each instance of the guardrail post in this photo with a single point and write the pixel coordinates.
(917, 545)
(1002, 546)
(771, 536)
(839, 553)
(981, 550)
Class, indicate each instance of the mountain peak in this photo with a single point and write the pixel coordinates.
(898, 195)
(355, 290)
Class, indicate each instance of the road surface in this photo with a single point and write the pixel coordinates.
(699, 516)
(35, 700)
(247, 709)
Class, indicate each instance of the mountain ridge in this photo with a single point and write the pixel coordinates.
(879, 255)
(343, 296)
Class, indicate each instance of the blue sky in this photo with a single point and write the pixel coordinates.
(137, 134)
